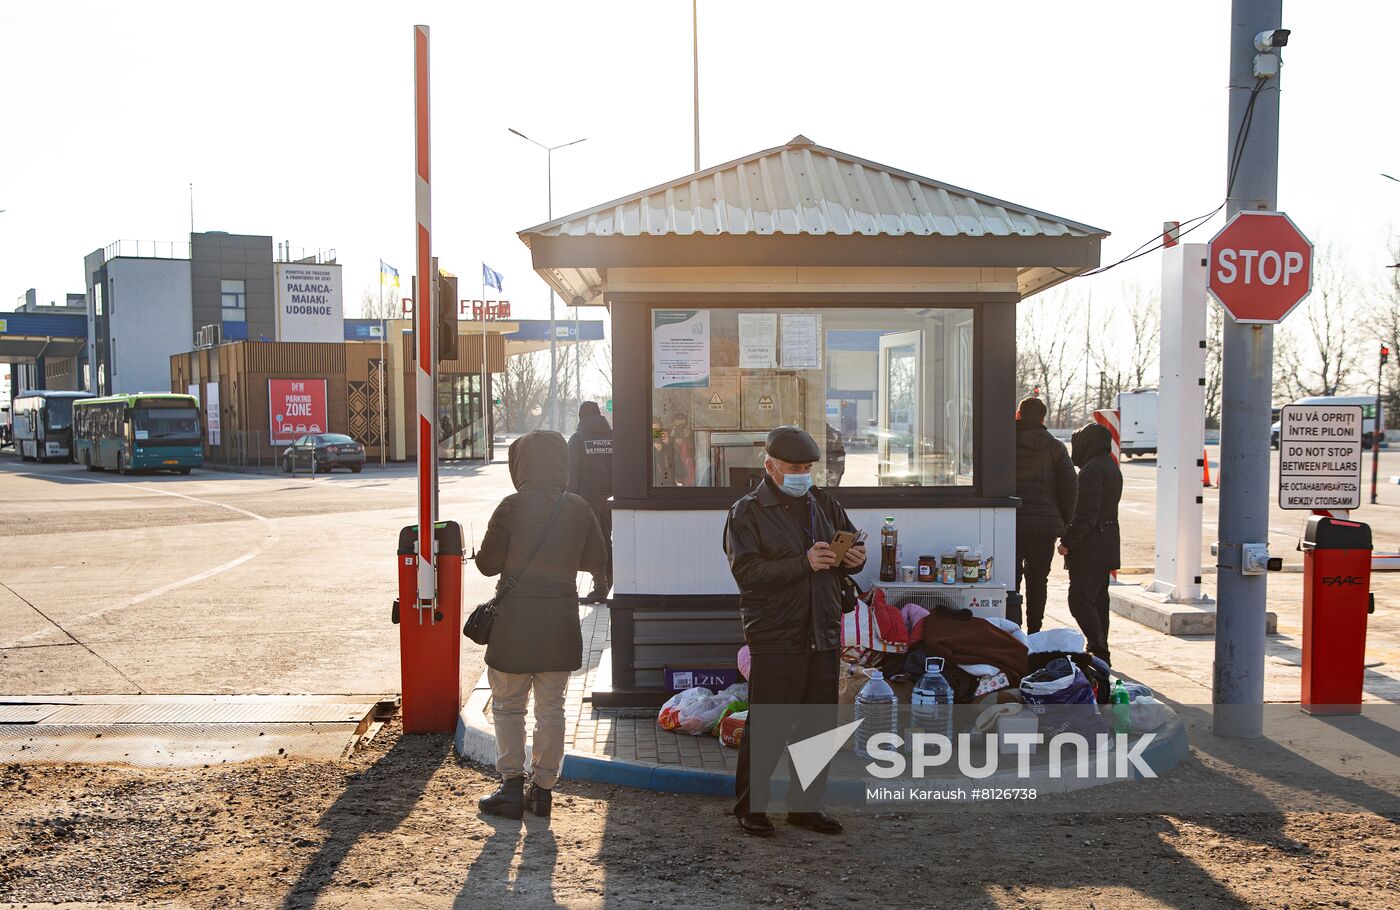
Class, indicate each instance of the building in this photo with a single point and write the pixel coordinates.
(151, 300)
(802, 285)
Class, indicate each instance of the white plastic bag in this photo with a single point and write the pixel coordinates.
(1146, 714)
(1057, 641)
(1009, 627)
(699, 717)
(669, 717)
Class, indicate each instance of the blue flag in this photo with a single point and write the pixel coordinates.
(491, 278)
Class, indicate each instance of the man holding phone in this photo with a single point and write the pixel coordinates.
(779, 542)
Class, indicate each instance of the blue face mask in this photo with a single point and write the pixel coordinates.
(797, 484)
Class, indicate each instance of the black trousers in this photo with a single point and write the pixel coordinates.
(604, 515)
(804, 678)
(1088, 602)
(1034, 551)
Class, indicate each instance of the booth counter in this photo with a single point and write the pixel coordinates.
(803, 286)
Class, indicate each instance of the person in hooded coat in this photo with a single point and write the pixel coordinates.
(1046, 486)
(1091, 543)
(591, 476)
(535, 638)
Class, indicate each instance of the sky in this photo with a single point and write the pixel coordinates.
(295, 119)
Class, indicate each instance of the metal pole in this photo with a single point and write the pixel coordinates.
(426, 373)
(1238, 688)
(1376, 432)
(383, 376)
(553, 334)
(483, 397)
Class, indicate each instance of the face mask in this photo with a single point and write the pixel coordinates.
(797, 484)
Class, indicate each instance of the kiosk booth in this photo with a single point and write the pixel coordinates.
(800, 285)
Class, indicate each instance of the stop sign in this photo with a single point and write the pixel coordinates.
(1260, 267)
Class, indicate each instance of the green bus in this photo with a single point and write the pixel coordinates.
(149, 431)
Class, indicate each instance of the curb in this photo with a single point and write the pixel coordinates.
(476, 740)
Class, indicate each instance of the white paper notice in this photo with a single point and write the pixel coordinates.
(680, 349)
(802, 346)
(758, 341)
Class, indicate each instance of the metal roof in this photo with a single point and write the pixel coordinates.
(800, 189)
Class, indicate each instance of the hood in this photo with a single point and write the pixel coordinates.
(588, 409)
(1088, 441)
(594, 423)
(1032, 436)
(539, 461)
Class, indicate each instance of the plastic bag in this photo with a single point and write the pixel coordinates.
(1065, 698)
(670, 716)
(1063, 641)
(745, 661)
(731, 728)
(1145, 714)
(1009, 628)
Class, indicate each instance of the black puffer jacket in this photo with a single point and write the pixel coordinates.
(1045, 481)
(537, 628)
(786, 607)
(590, 456)
(1092, 537)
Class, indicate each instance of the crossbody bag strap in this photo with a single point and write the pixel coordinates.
(512, 580)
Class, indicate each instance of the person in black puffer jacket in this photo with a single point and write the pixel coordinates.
(1091, 543)
(1047, 487)
(591, 476)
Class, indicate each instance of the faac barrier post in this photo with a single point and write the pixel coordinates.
(1336, 601)
(429, 608)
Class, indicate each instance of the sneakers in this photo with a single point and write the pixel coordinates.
(508, 801)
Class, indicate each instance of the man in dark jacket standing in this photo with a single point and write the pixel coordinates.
(591, 476)
(1091, 542)
(778, 540)
(1047, 487)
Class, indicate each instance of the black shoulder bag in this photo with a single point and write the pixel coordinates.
(478, 625)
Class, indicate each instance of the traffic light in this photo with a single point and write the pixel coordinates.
(1385, 354)
(446, 316)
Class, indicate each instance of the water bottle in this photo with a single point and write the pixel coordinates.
(889, 551)
(932, 704)
(878, 708)
(1122, 709)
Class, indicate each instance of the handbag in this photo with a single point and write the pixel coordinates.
(478, 624)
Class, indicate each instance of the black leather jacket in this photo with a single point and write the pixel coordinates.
(786, 607)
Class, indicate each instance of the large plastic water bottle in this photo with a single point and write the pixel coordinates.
(877, 706)
(932, 702)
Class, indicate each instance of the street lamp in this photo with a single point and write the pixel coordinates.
(553, 334)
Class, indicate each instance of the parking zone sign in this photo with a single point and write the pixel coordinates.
(1319, 457)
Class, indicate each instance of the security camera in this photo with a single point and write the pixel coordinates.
(1271, 40)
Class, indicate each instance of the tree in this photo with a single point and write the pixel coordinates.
(1383, 324)
(1048, 359)
(1144, 311)
(372, 308)
(524, 394)
(1215, 362)
(1320, 354)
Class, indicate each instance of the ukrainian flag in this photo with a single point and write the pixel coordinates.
(388, 274)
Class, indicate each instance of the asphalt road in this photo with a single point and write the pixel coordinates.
(215, 582)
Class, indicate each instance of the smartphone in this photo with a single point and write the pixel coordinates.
(842, 542)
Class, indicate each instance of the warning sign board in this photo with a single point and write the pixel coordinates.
(1319, 457)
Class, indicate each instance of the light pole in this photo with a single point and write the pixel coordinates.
(553, 333)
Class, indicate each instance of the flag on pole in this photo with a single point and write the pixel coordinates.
(388, 274)
(491, 278)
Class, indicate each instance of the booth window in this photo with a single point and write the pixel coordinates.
(886, 392)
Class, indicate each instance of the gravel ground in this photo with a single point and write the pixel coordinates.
(395, 826)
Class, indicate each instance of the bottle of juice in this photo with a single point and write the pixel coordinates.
(889, 550)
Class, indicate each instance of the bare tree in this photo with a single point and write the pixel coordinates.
(1049, 360)
(1215, 351)
(524, 393)
(1144, 311)
(1320, 355)
(1383, 322)
(371, 306)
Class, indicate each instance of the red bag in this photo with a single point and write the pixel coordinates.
(731, 728)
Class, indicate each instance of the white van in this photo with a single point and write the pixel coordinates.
(1137, 422)
(1368, 415)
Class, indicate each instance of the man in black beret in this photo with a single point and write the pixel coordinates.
(778, 540)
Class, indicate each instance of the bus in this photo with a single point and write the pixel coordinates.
(148, 431)
(41, 424)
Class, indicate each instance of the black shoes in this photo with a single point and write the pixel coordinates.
(538, 800)
(757, 824)
(819, 822)
(508, 801)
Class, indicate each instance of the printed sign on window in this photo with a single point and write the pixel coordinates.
(680, 349)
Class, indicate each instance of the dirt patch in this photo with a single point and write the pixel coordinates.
(396, 826)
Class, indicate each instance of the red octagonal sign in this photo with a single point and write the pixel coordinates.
(1260, 267)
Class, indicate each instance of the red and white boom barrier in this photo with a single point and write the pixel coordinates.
(1108, 417)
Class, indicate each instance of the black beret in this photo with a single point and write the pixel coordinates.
(793, 445)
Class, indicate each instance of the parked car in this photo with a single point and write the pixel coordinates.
(326, 451)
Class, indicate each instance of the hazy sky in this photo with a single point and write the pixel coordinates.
(295, 119)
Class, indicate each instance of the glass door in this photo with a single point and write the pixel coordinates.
(899, 429)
